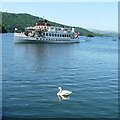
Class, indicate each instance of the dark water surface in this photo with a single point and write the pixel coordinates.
(33, 72)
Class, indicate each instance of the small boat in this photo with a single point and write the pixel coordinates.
(114, 40)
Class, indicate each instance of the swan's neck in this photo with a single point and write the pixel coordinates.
(60, 90)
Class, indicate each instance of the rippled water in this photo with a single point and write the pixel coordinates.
(33, 72)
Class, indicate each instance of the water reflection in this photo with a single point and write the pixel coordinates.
(61, 98)
(31, 70)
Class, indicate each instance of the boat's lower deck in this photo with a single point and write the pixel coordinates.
(24, 39)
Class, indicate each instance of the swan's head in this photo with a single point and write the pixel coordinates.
(59, 88)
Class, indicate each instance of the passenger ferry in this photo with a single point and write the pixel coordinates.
(43, 32)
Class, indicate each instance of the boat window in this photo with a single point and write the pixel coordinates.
(59, 28)
(69, 35)
(49, 34)
(63, 35)
(55, 35)
(46, 34)
(43, 33)
(52, 34)
(60, 35)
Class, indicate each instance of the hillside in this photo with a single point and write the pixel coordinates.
(10, 21)
(2, 29)
(106, 33)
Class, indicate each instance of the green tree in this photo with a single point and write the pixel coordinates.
(2, 29)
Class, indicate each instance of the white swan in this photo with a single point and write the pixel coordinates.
(63, 92)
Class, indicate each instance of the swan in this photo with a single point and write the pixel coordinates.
(63, 92)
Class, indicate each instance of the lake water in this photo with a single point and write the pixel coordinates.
(33, 72)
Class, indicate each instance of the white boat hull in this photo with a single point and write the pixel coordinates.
(21, 38)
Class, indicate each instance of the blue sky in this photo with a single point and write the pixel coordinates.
(94, 15)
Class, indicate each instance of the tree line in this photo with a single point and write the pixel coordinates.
(10, 21)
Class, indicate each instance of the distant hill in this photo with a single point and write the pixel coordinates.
(10, 21)
(106, 33)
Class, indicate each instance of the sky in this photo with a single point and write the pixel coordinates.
(89, 15)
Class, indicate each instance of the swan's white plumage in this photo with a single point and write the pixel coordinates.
(63, 92)
(63, 97)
